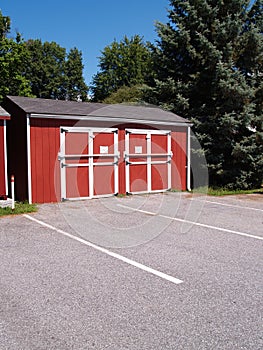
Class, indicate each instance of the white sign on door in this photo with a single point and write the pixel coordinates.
(138, 149)
(104, 149)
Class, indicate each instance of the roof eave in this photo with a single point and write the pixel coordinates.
(116, 120)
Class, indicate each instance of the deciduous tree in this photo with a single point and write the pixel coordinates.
(33, 68)
(53, 73)
(76, 89)
(45, 69)
(13, 58)
(124, 63)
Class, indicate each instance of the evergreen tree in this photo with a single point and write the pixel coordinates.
(124, 63)
(208, 62)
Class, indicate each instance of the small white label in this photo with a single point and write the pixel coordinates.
(104, 149)
(138, 149)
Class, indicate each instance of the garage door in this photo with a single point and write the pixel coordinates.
(147, 160)
(89, 162)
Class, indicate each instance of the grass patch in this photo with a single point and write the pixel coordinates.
(224, 191)
(121, 195)
(20, 208)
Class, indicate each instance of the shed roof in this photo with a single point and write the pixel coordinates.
(48, 108)
(4, 114)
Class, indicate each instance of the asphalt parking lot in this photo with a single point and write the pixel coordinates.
(165, 271)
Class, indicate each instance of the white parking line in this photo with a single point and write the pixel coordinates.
(193, 223)
(108, 252)
(227, 205)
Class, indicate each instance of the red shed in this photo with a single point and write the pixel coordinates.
(4, 116)
(63, 150)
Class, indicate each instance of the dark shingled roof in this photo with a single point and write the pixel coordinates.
(56, 107)
(87, 109)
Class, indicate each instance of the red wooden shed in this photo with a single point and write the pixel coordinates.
(4, 116)
(65, 150)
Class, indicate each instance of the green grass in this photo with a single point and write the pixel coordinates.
(121, 195)
(224, 191)
(210, 191)
(20, 208)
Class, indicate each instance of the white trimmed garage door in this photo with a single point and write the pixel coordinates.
(89, 162)
(147, 160)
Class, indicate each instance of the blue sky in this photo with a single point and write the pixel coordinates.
(89, 25)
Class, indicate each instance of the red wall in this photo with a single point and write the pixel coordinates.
(45, 171)
(2, 160)
(179, 159)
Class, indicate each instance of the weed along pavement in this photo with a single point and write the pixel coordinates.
(164, 271)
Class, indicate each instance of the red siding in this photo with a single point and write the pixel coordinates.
(179, 159)
(45, 172)
(45, 167)
(2, 160)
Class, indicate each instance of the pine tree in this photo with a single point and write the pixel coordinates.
(208, 61)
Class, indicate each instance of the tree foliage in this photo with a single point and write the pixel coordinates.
(74, 82)
(45, 69)
(125, 63)
(5, 24)
(53, 73)
(13, 58)
(33, 68)
(126, 94)
(208, 62)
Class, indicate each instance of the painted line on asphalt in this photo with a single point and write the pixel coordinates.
(193, 223)
(108, 252)
(226, 204)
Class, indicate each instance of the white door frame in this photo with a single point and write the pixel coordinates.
(149, 158)
(90, 140)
